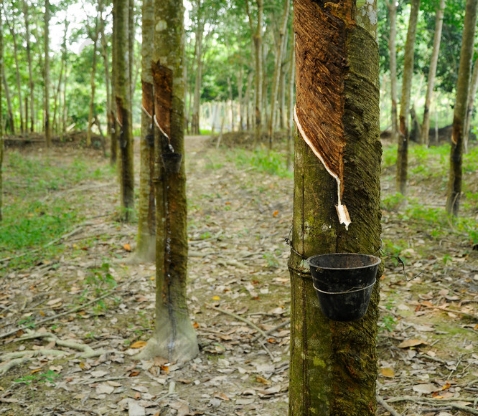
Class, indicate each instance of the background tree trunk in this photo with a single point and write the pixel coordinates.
(432, 71)
(9, 122)
(123, 108)
(1, 112)
(471, 101)
(459, 114)
(30, 65)
(334, 364)
(277, 68)
(195, 128)
(257, 42)
(392, 14)
(46, 93)
(94, 37)
(11, 28)
(174, 337)
(404, 136)
(146, 240)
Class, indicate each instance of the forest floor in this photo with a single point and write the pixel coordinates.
(73, 319)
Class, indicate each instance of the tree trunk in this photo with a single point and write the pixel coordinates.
(11, 28)
(146, 239)
(94, 38)
(471, 100)
(1, 115)
(231, 104)
(123, 108)
(195, 128)
(392, 14)
(46, 93)
(109, 84)
(459, 115)
(240, 81)
(334, 364)
(57, 101)
(432, 71)
(174, 337)
(30, 65)
(291, 103)
(9, 122)
(404, 133)
(257, 42)
(277, 68)
(247, 100)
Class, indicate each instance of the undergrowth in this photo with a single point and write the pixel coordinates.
(40, 206)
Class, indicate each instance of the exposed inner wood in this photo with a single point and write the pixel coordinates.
(163, 95)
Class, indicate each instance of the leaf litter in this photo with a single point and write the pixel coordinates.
(75, 323)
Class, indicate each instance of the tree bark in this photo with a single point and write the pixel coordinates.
(94, 37)
(334, 364)
(392, 14)
(459, 114)
(146, 239)
(30, 65)
(11, 28)
(277, 68)
(257, 42)
(404, 132)
(9, 122)
(471, 101)
(57, 100)
(46, 94)
(174, 337)
(432, 71)
(124, 109)
(291, 103)
(1, 114)
(195, 128)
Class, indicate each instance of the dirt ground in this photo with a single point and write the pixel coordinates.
(82, 362)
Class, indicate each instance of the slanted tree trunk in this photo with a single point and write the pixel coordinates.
(459, 114)
(432, 71)
(333, 366)
(392, 14)
(123, 108)
(257, 42)
(277, 68)
(471, 101)
(404, 128)
(11, 28)
(290, 125)
(30, 65)
(146, 239)
(46, 93)
(174, 337)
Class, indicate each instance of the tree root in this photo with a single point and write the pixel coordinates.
(439, 403)
(17, 358)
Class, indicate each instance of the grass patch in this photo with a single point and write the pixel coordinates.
(272, 162)
(37, 207)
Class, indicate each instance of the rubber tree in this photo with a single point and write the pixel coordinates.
(46, 69)
(404, 130)
(174, 337)
(471, 101)
(277, 67)
(146, 240)
(256, 34)
(123, 107)
(1, 110)
(459, 113)
(432, 70)
(31, 83)
(392, 16)
(333, 365)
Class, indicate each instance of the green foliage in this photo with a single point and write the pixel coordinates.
(48, 376)
(272, 162)
(392, 202)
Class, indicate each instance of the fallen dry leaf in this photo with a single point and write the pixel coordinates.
(387, 372)
(138, 344)
(127, 247)
(411, 343)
